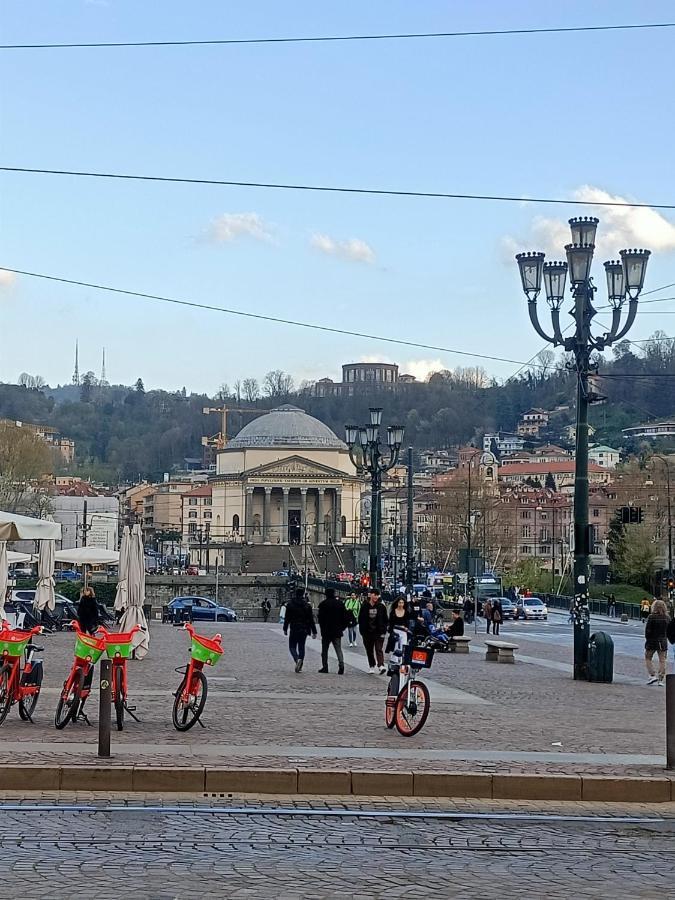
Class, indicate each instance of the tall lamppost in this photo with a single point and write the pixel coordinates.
(368, 457)
(666, 466)
(624, 282)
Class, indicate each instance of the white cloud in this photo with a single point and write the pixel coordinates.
(620, 227)
(230, 226)
(353, 249)
(7, 279)
(422, 368)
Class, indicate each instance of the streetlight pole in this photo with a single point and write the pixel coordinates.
(409, 549)
(624, 282)
(666, 464)
(368, 457)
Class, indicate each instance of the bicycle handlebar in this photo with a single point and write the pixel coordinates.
(37, 629)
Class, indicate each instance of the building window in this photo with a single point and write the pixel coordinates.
(596, 513)
(235, 524)
(526, 514)
(192, 528)
(208, 501)
(208, 515)
(192, 501)
(526, 531)
(525, 549)
(192, 515)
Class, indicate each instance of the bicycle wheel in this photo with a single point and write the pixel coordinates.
(69, 701)
(390, 708)
(186, 712)
(27, 705)
(119, 697)
(5, 692)
(412, 708)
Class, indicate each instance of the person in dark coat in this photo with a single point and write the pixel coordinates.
(299, 621)
(333, 619)
(373, 622)
(468, 608)
(497, 615)
(265, 608)
(656, 629)
(87, 611)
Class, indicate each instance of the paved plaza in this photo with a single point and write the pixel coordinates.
(528, 717)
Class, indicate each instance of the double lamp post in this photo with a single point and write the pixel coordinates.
(624, 284)
(370, 458)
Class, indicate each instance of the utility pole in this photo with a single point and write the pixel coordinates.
(208, 541)
(85, 526)
(666, 465)
(409, 548)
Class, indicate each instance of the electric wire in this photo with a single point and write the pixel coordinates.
(380, 192)
(341, 38)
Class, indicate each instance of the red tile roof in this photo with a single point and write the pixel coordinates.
(204, 490)
(543, 468)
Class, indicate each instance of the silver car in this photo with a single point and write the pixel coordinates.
(531, 608)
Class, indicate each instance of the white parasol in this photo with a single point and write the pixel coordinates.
(122, 592)
(44, 593)
(134, 615)
(24, 528)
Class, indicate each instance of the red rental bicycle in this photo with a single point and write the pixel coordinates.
(77, 687)
(119, 647)
(17, 684)
(190, 698)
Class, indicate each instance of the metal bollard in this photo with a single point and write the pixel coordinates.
(104, 699)
(670, 721)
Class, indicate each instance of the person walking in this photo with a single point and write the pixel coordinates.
(670, 635)
(333, 619)
(299, 621)
(399, 617)
(373, 622)
(87, 611)
(611, 606)
(487, 612)
(467, 606)
(353, 606)
(282, 613)
(656, 641)
(497, 615)
(265, 608)
(644, 609)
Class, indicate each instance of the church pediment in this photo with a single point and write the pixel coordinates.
(294, 467)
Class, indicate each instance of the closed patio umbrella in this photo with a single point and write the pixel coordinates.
(25, 528)
(3, 577)
(44, 593)
(122, 592)
(134, 615)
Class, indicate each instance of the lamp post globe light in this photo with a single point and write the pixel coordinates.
(624, 284)
(370, 458)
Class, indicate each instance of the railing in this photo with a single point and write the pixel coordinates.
(597, 607)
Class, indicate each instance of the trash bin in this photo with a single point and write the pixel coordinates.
(601, 657)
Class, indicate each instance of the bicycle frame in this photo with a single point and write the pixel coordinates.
(16, 689)
(191, 683)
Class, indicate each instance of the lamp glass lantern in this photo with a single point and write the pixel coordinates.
(531, 267)
(616, 290)
(634, 264)
(351, 435)
(583, 229)
(363, 436)
(555, 274)
(579, 259)
(371, 434)
(375, 416)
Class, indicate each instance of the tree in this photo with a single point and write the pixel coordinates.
(237, 389)
(139, 387)
(251, 389)
(24, 458)
(87, 387)
(634, 555)
(549, 484)
(277, 384)
(31, 382)
(223, 392)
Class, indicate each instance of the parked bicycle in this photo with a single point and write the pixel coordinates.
(190, 698)
(19, 684)
(408, 701)
(119, 647)
(77, 687)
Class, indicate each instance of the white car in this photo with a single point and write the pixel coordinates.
(530, 608)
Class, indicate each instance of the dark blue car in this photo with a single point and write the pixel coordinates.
(204, 609)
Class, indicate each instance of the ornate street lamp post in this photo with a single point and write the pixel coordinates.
(368, 457)
(666, 465)
(624, 282)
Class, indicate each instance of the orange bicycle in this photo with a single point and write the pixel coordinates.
(77, 687)
(190, 698)
(119, 647)
(17, 684)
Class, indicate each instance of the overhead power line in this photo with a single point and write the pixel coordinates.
(336, 38)
(381, 192)
(261, 317)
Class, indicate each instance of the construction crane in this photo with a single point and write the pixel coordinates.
(214, 443)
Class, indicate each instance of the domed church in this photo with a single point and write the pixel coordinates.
(285, 480)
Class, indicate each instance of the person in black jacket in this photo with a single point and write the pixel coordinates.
(656, 629)
(87, 611)
(299, 620)
(373, 622)
(333, 619)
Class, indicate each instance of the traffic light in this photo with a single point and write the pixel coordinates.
(471, 584)
(631, 515)
(670, 583)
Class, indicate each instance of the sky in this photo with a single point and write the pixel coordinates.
(578, 116)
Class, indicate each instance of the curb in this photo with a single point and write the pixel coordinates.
(338, 782)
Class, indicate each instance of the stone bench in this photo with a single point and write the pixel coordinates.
(500, 651)
(460, 644)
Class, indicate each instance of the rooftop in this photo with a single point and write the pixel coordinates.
(286, 426)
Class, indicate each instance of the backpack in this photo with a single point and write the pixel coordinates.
(670, 631)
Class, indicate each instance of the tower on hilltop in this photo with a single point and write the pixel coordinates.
(103, 380)
(76, 373)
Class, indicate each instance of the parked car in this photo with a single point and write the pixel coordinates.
(67, 575)
(530, 608)
(192, 570)
(23, 571)
(57, 619)
(203, 609)
(508, 608)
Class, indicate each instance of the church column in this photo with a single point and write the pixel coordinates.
(321, 537)
(303, 513)
(266, 515)
(248, 516)
(285, 537)
(337, 507)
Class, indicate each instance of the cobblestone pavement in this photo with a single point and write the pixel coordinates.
(152, 853)
(259, 710)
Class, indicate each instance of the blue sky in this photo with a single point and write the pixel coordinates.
(537, 115)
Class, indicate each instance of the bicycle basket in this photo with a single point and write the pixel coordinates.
(206, 650)
(13, 643)
(87, 647)
(421, 657)
(121, 645)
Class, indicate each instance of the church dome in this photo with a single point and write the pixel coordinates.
(286, 426)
